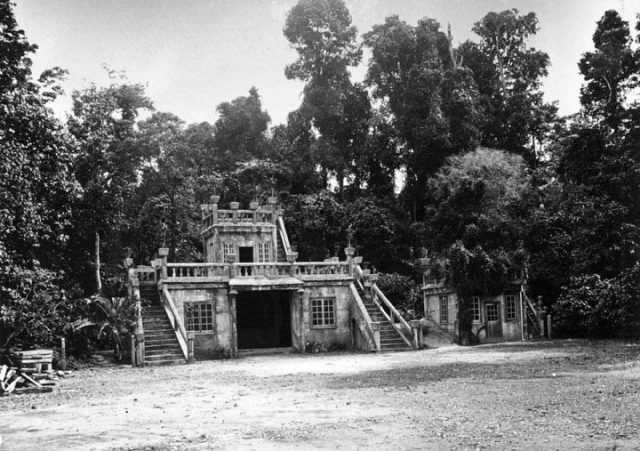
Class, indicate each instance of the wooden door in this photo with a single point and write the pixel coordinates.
(494, 320)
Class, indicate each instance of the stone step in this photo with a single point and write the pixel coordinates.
(154, 352)
(163, 356)
(164, 362)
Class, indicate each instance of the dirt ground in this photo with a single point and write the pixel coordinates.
(536, 395)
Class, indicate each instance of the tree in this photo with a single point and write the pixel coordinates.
(35, 180)
(432, 99)
(103, 123)
(509, 76)
(477, 216)
(610, 71)
(239, 132)
(321, 33)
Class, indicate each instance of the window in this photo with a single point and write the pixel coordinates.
(475, 308)
(199, 316)
(492, 312)
(263, 252)
(444, 309)
(227, 249)
(510, 307)
(323, 312)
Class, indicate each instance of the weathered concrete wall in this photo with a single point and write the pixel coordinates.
(209, 344)
(240, 236)
(511, 329)
(338, 336)
(432, 308)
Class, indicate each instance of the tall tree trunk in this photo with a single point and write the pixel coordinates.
(98, 278)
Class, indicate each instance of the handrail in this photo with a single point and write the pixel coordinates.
(176, 322)
(365, 319)
(283, 236)
(395, 313)
(390, 306)
(526, 298)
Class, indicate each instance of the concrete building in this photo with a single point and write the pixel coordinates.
(252, 293)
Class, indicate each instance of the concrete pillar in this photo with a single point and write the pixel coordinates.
(232, 267)
(191, 337)
(375, 326)
(291, 259)
(163, 252)
(233, 294)
(350, 252)
(234, 207)
(416, 329)
(549, 329)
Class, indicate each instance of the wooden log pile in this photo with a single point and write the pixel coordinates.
(23, 380)
(38, 359)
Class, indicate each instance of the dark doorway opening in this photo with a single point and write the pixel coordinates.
(246, 254)
(263, 319)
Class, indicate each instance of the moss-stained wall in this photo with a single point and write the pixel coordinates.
(338, 336)
(209, 344)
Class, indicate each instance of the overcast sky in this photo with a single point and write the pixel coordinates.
(194, 54)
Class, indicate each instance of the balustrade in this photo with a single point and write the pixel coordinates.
(241, 216)
(316, 270)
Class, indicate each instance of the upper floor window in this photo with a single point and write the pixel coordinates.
(264, 252)
(227, 249)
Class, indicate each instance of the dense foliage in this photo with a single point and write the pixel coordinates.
(400, 166)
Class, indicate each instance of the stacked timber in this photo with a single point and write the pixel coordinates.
(37, 359)
(20, 380)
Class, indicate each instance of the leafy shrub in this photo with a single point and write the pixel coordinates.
(594, 307)
(403, 292)
(34, 310)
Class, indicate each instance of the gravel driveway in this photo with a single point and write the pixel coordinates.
(535, 395)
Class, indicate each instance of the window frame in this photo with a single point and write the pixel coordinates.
(228, 248)
(205, 310)
(493, 306)
(327, 305)
(510, 310)
(475, 309)
(264, 252)
(444, 312)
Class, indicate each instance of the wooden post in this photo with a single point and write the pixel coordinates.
(133, 350)
(541, 326)
(549, 330)
(63, 354)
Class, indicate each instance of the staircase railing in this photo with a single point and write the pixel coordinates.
(531, 314)
(363, 320)
(282, 231)
(395, 316)
(176, 323)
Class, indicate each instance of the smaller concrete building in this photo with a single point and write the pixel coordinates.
(506, 316)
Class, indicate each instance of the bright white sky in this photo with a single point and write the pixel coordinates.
(194, 54)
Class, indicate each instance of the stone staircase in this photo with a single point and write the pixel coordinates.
(161, 346)
(281, 254)
(390, 340)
